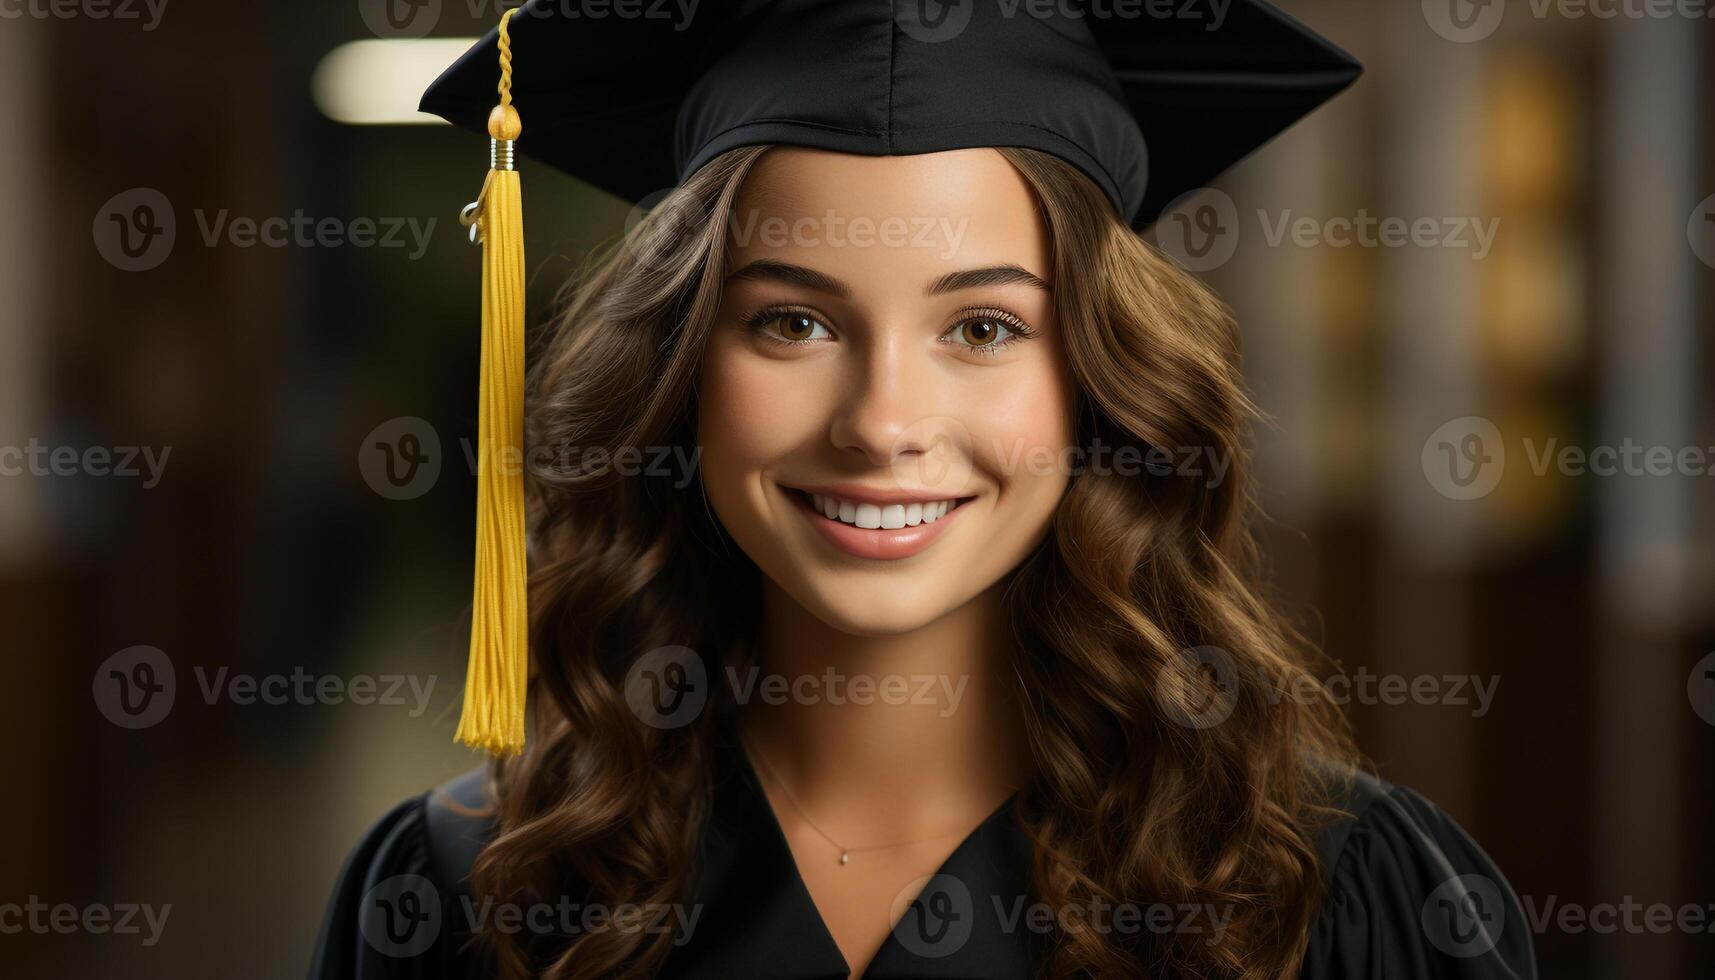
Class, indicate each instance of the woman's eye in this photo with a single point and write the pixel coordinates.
(986, 334)
(792, 327)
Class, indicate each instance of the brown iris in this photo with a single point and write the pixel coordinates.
(979, 332)
(796, 326)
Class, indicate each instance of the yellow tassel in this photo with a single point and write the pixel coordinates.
(493, 717)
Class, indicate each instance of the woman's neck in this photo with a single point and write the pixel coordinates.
(912, 731)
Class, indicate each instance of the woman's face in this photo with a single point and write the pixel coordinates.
(884, 400)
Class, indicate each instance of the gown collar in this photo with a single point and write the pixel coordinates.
(757, 920)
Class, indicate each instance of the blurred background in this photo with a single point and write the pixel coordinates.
(1478, 291)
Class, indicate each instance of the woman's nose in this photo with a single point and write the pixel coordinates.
(887, 391)
(899, 411)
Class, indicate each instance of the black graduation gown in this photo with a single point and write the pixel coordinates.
(1411, 897)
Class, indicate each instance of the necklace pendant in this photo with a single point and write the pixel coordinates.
(845, 857)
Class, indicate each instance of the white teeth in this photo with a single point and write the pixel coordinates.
(888, 516)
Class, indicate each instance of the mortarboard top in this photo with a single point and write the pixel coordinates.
(1149, 99)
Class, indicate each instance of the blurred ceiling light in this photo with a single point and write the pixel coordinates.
(378, 82)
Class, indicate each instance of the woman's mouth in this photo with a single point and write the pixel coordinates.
(883, 525)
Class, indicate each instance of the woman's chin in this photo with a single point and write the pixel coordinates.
(884, 609)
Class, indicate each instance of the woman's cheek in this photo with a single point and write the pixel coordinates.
(753, 409)
(1021, 438)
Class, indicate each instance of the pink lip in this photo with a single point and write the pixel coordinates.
(882, 543)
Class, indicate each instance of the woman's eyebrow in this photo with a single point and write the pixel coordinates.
(994, 275)
(768, 269)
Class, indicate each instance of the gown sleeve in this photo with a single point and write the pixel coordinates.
(1412, 897)
(399, 909)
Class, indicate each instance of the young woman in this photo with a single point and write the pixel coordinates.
(939, 661)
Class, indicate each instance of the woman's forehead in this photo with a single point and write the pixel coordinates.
(954, 207)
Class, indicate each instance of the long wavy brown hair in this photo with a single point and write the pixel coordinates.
(1132, 799)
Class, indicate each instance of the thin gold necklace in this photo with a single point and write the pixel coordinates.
(845, 852)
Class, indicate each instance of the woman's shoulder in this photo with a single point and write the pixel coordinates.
(401, 905)
(1411, 894)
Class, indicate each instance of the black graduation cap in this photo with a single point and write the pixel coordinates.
(1150, 99)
